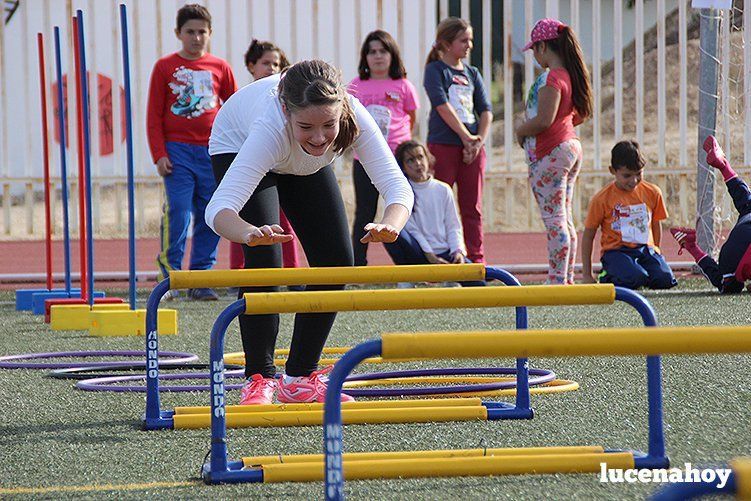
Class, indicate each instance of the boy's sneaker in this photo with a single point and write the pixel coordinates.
(686, 237)
(171, 295)
(306, 389)
(258, 390)
(202, 294)
(405, 285)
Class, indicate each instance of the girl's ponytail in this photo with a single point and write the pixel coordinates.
(570, 52)
(445, 33)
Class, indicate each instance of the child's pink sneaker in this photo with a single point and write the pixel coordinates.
(306, 389)
(715, 155)
(686, 237)
(258, 390)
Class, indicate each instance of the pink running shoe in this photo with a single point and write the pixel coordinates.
(684, 236)
(715, 155)
(307, 389)
(258, 390)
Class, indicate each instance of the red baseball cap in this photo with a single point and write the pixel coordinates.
(545, 29)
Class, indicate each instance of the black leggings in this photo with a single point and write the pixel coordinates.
(366, 203)
(722, 275)
(314, 206)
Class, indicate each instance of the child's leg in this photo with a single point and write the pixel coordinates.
(711, 270)
(205, 240)
(219, 164)
(310, 203)
(733, 251)
(621, 268)
(366, 203)
(406, 250)
(178, 187)
(660, 274)
(290, 257)
(469, 181)
(472, 283)
(740, 194)
(236, 256)
(259, 331)
(547, 178)
(576, 152)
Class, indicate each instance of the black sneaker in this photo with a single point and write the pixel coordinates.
(202, 294)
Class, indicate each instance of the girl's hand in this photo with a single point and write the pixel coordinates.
(433, 259)
(267, 235)
(457, 258)
(377, 232)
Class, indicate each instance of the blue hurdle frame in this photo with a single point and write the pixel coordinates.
(155, 418)
(332, 419)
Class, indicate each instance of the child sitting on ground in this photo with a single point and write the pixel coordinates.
(433, 234)
(734, 267)
(628, 211)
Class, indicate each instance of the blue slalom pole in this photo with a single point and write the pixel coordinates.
(87, 152)
(63, 157)
(129, 149)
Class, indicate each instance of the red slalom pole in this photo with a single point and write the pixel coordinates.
(46, 153)
(81, 171)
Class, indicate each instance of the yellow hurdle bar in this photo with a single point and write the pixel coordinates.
(349, 416)
(415, 299)
(742, 470)
(566, 343)
(357, 404)
(453, 467)
(325, 276)
(446, 453)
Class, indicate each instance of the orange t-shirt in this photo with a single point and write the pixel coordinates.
(625, 217)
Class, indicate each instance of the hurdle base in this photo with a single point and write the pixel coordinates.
(25, 297)
(163, 422)
(48, 304)
(503, 410)
(39, 300)
(234, 474)
(75, 317)
(646, 462)
(130, 322)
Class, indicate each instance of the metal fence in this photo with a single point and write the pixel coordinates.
(643, 61)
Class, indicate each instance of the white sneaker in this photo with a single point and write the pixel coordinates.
(405, 285)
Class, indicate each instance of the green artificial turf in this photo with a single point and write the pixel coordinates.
(53, 435)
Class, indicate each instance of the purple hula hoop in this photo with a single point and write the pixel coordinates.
(7, 362)
(540, 376)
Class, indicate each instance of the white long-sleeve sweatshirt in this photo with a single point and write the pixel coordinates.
(252, 124)
(434, 223)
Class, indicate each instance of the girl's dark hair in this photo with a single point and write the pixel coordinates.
(407, 146)
(567, 46)
(445, 33)
(316, 82)
(626, 154)
(396, 69)
(258, 48)
(192, 11)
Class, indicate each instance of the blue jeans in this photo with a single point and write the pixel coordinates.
(406, 250)
(638, 267)
(189, 189)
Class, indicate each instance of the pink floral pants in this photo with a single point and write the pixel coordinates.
(552, 179)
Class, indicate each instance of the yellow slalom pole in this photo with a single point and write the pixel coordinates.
(325, 276)
(349, 416)
(453, 467)
(357, 404)
(447, 453)
(415, 299)
(567, 343)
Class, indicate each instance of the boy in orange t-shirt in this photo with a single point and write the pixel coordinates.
(628, 211)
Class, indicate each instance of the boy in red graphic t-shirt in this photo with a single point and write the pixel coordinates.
(185, 93)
